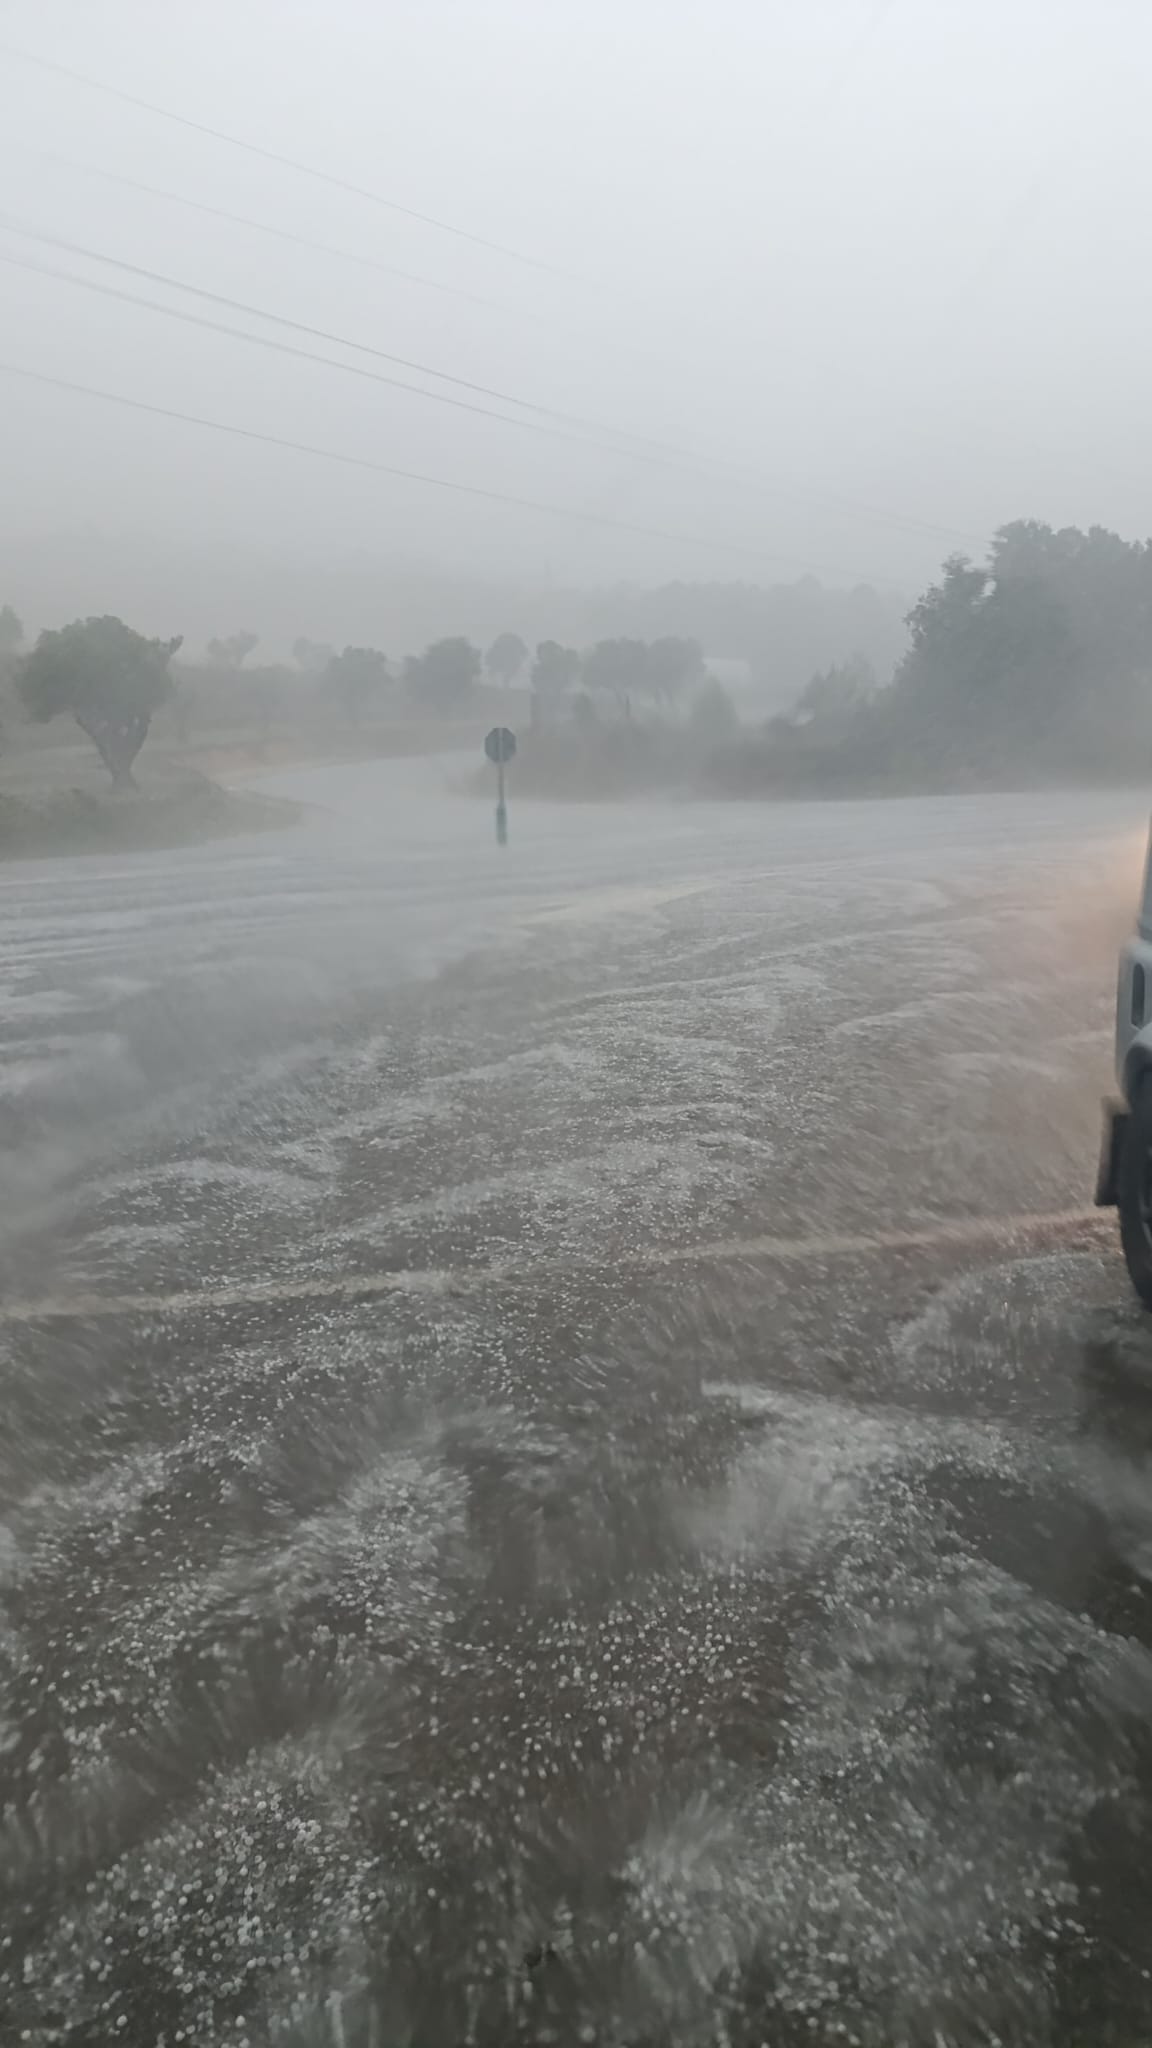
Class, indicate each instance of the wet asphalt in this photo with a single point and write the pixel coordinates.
(576, 1466)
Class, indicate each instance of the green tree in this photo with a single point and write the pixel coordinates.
(358, 681)
(1073, 613)
(11, 641)
(312, 656)
(673, 666)
(553, 672)
(839, 691)
(944, 625)
(11, 634)
(505, 658)
(233, 652)
(443, 678)
(993, 666)
(618, 669)
(108, 677)
(1040, 657)
(713, 717)
(554, 669)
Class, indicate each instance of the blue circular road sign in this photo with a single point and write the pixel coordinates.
(500, 744)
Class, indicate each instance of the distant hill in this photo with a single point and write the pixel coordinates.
(781, 633)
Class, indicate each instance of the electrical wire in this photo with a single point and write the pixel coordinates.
(898, 521)
(264, 227)
(307, 355)
(405, 475)
(272, 156)
(623, 442)
(366, 348)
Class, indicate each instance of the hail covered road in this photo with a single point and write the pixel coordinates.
(573, 1465)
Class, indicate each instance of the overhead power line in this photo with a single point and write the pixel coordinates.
(404, 475)
(308, 355)
(264, 227)
(286, 348)
(624, 442)
(366, 348)
(272, 156)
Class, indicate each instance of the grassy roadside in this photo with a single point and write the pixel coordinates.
(230, 754)
(55, 796)
(69, 821)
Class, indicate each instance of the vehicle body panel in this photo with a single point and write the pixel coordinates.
(1133, 1041)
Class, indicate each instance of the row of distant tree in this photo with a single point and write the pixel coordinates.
(443, 678)
(113, 680)
(1034, 664)
(363, 684)
(1041, 658)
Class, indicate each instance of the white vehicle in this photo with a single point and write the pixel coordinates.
(1125, 1177)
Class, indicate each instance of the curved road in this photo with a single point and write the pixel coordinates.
(576, 1467)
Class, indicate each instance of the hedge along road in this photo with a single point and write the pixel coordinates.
(577, 1467)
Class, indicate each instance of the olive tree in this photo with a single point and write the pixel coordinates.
(11, 633)
(108, 677)
(555, 669)
(443, 678)
(232, 652)
(506, 657)
(358, 682)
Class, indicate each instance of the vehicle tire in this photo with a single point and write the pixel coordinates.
(1134, 1193)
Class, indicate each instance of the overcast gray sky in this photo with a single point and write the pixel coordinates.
(880, 264)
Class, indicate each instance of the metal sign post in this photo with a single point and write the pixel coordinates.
(500, 746)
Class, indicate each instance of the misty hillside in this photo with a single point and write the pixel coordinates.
(782, 633)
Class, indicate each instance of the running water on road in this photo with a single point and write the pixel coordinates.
(576, 1469)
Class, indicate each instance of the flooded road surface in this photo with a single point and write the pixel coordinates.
(575, 1467)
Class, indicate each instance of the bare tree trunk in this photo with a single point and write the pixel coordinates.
(117, 742)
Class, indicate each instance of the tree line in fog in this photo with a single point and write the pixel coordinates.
(113, 680)
(1039, 659)
(1036, 661)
